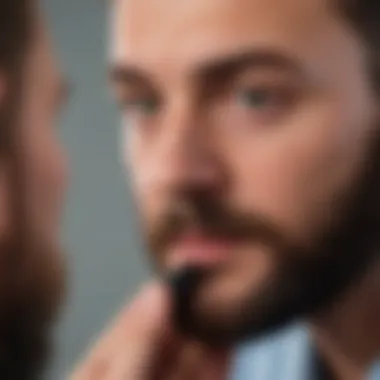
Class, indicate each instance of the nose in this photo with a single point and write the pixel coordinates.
(186, 155)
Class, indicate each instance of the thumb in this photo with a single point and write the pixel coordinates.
(144, 333)
(129, 348)
(147, 312)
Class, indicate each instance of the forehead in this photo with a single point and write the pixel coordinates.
(171, 37)
(172, 34)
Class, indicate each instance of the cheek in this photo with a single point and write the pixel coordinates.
(46, 172)
(53, 174)
(293, 174)
(146, 174)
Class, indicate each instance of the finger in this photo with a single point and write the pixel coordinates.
(143, 330)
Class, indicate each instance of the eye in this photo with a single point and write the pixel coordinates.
(147, 106)
(258, 98)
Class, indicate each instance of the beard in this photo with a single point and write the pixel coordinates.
(306, 280)
(32, 291)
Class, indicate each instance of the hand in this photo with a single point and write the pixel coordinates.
(142, 345)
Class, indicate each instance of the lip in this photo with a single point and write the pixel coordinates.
(200, 250)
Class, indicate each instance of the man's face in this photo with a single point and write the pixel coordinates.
(246, 125)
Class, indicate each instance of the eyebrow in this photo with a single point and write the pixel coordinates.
(215, 66)
(253, 59)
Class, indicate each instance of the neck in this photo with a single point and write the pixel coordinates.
(348, 334)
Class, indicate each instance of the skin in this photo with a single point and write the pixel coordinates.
(44, 93)
(301, 146)
(46, 167)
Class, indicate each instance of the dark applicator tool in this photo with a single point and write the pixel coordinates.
(183, 284)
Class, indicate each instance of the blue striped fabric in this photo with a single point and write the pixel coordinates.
(286, 355)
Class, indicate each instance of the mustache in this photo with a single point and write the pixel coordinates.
(213, 219)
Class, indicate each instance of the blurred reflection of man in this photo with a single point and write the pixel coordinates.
(32, 182)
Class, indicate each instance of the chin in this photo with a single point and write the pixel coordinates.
(223, 313)
(223, 310)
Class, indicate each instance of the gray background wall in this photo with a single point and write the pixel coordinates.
(105, 260)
